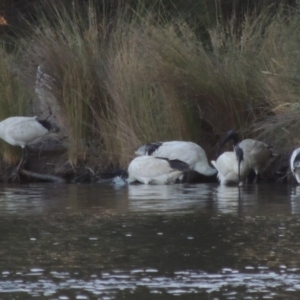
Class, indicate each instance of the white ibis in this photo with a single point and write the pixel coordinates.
(295, 164)
(257, 153)
(230, 169)
(187, 152)
(23, 131)
(155, 170)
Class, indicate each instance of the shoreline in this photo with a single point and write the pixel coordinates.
(52, 166)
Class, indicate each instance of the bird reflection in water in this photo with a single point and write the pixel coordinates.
(295, 199)
(177, 198)
(228, 199)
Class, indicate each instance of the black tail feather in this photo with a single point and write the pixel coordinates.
(177, 164)
(48, 125)
(150, 148)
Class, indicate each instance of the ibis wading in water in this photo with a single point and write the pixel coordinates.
(295, 164)
(257, 154)
(188, 152)
(23, 131)
(155, 170)
(232, 168)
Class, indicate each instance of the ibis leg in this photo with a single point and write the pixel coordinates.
(14, 177)
(23, 159)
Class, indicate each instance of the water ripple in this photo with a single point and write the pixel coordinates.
(182, 282)
(165, 199)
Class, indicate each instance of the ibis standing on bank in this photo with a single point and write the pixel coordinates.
(22, 132)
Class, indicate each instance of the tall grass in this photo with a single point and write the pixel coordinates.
(281, 68)
(15, 99)
(140, 75)
(114, 88)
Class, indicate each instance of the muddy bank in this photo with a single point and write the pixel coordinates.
(47, 166)
(52, 165)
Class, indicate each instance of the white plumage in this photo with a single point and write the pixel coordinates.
(154, 170)
(295, 164)
(228, 168)
(23, 131)
(257, 153)
(188, 152)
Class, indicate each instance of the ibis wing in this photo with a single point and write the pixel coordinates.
(179, 165)
(149, 166)
(187, 152)
(256, 149)
(25, 133)
(295, 160)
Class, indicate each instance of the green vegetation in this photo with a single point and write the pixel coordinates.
(130, 75)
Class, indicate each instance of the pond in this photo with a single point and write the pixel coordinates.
(199, 241)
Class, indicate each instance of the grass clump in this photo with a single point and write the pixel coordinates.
(112, 85)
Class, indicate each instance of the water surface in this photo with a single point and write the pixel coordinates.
(149, 242)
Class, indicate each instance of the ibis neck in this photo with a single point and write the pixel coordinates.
(235, 139)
